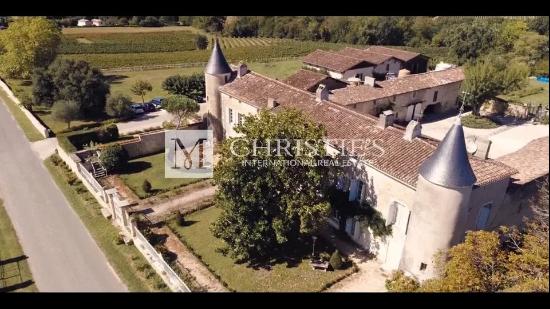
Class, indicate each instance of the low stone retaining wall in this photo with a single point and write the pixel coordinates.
(115, 208)
(35, 122)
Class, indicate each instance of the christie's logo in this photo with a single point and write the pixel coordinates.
(188, 154)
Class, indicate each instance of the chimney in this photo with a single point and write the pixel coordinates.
(354, 81)
(321, 93)
(272, 103)
(403, 72)
(386, 119)
(483, 147)
(413, 130)
(242, 69)
(369, 81)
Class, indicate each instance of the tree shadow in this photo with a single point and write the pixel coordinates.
(136, 167)
(115, 78)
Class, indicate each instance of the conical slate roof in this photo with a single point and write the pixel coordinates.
(217, 63)
(449, 166)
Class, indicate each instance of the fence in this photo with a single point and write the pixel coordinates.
(112, 205)
(35, 122)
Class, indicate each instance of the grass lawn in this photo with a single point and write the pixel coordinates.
(295, 277)
(536, 99)
(476, 122)
(11, 249)
(57, 126)
(152, 169)
(121, 82)
(24, 123)
(126, 260)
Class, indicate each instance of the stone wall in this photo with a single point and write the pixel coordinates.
(35, 122)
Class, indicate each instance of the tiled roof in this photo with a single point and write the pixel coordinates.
(331, 61)
(309, 80)
(397, 53)
(405, 84)
(531, 161)
(402, 158)
(305, 79)
(371, 57)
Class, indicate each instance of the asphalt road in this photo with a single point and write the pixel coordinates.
(63, 256)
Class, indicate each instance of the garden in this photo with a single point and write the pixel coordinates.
(285, 274)
(150, 168)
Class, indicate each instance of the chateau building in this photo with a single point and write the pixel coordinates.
(431, 192)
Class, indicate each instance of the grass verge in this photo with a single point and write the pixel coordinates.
(25, 124)
(477, 122)
(291, 276)
(17, 274)
(126, 260)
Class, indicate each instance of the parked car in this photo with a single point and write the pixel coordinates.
(157, 102)
(137, 108)
(149, 107)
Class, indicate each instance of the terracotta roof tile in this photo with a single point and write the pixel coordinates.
(405, 84)
(531, 161)
(331, 61)
(402, 158)
(397, 53)
(371, 57)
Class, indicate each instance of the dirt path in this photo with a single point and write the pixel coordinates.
(187, 200)
(369, 278)
(202, 275)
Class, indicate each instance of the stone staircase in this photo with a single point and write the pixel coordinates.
(98, 171)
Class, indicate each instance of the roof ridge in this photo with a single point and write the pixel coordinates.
(330, 103)
(337, 54)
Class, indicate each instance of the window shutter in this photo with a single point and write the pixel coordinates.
(392, 214)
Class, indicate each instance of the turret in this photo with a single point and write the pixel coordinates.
(439, 212)
(217, 73)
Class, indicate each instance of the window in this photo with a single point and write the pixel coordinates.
(483, 216)
(240, 118)
(230, 115)
(435, 96)
(360, 76)
(354, 106)
(355, 190)
(414, 94)
(359, 190)
(423, 266)
(387, 67)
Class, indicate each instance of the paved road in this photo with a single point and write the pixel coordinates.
(62, 254)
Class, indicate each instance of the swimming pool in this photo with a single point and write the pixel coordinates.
(542, 79)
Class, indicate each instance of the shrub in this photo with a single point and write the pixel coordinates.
(146, 186)
(119, 106)
(324, 256)
(119, 240)
(114, 158)
(336, 261)
(201, 41)
(399, 282)
(107, 133)
(180, 219)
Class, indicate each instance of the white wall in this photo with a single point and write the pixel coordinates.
(238, 107)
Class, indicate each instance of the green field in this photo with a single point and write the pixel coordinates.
(295, 276)
(540, 97)
(126, 260)
(16, 275)
(24, 123)
(121, 82)
(152, 169)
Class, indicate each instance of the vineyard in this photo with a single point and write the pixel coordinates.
(133, 46)
(235, 49)
(99, 43)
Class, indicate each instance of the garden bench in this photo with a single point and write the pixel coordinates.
(320, 265)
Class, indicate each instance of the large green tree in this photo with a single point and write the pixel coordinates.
(181, 107)
(191, 86)
(488, 78)
(268, 208)
(28, 42)
(72, 81)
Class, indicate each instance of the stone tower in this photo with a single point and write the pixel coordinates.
(216, 74)
(440, 209)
